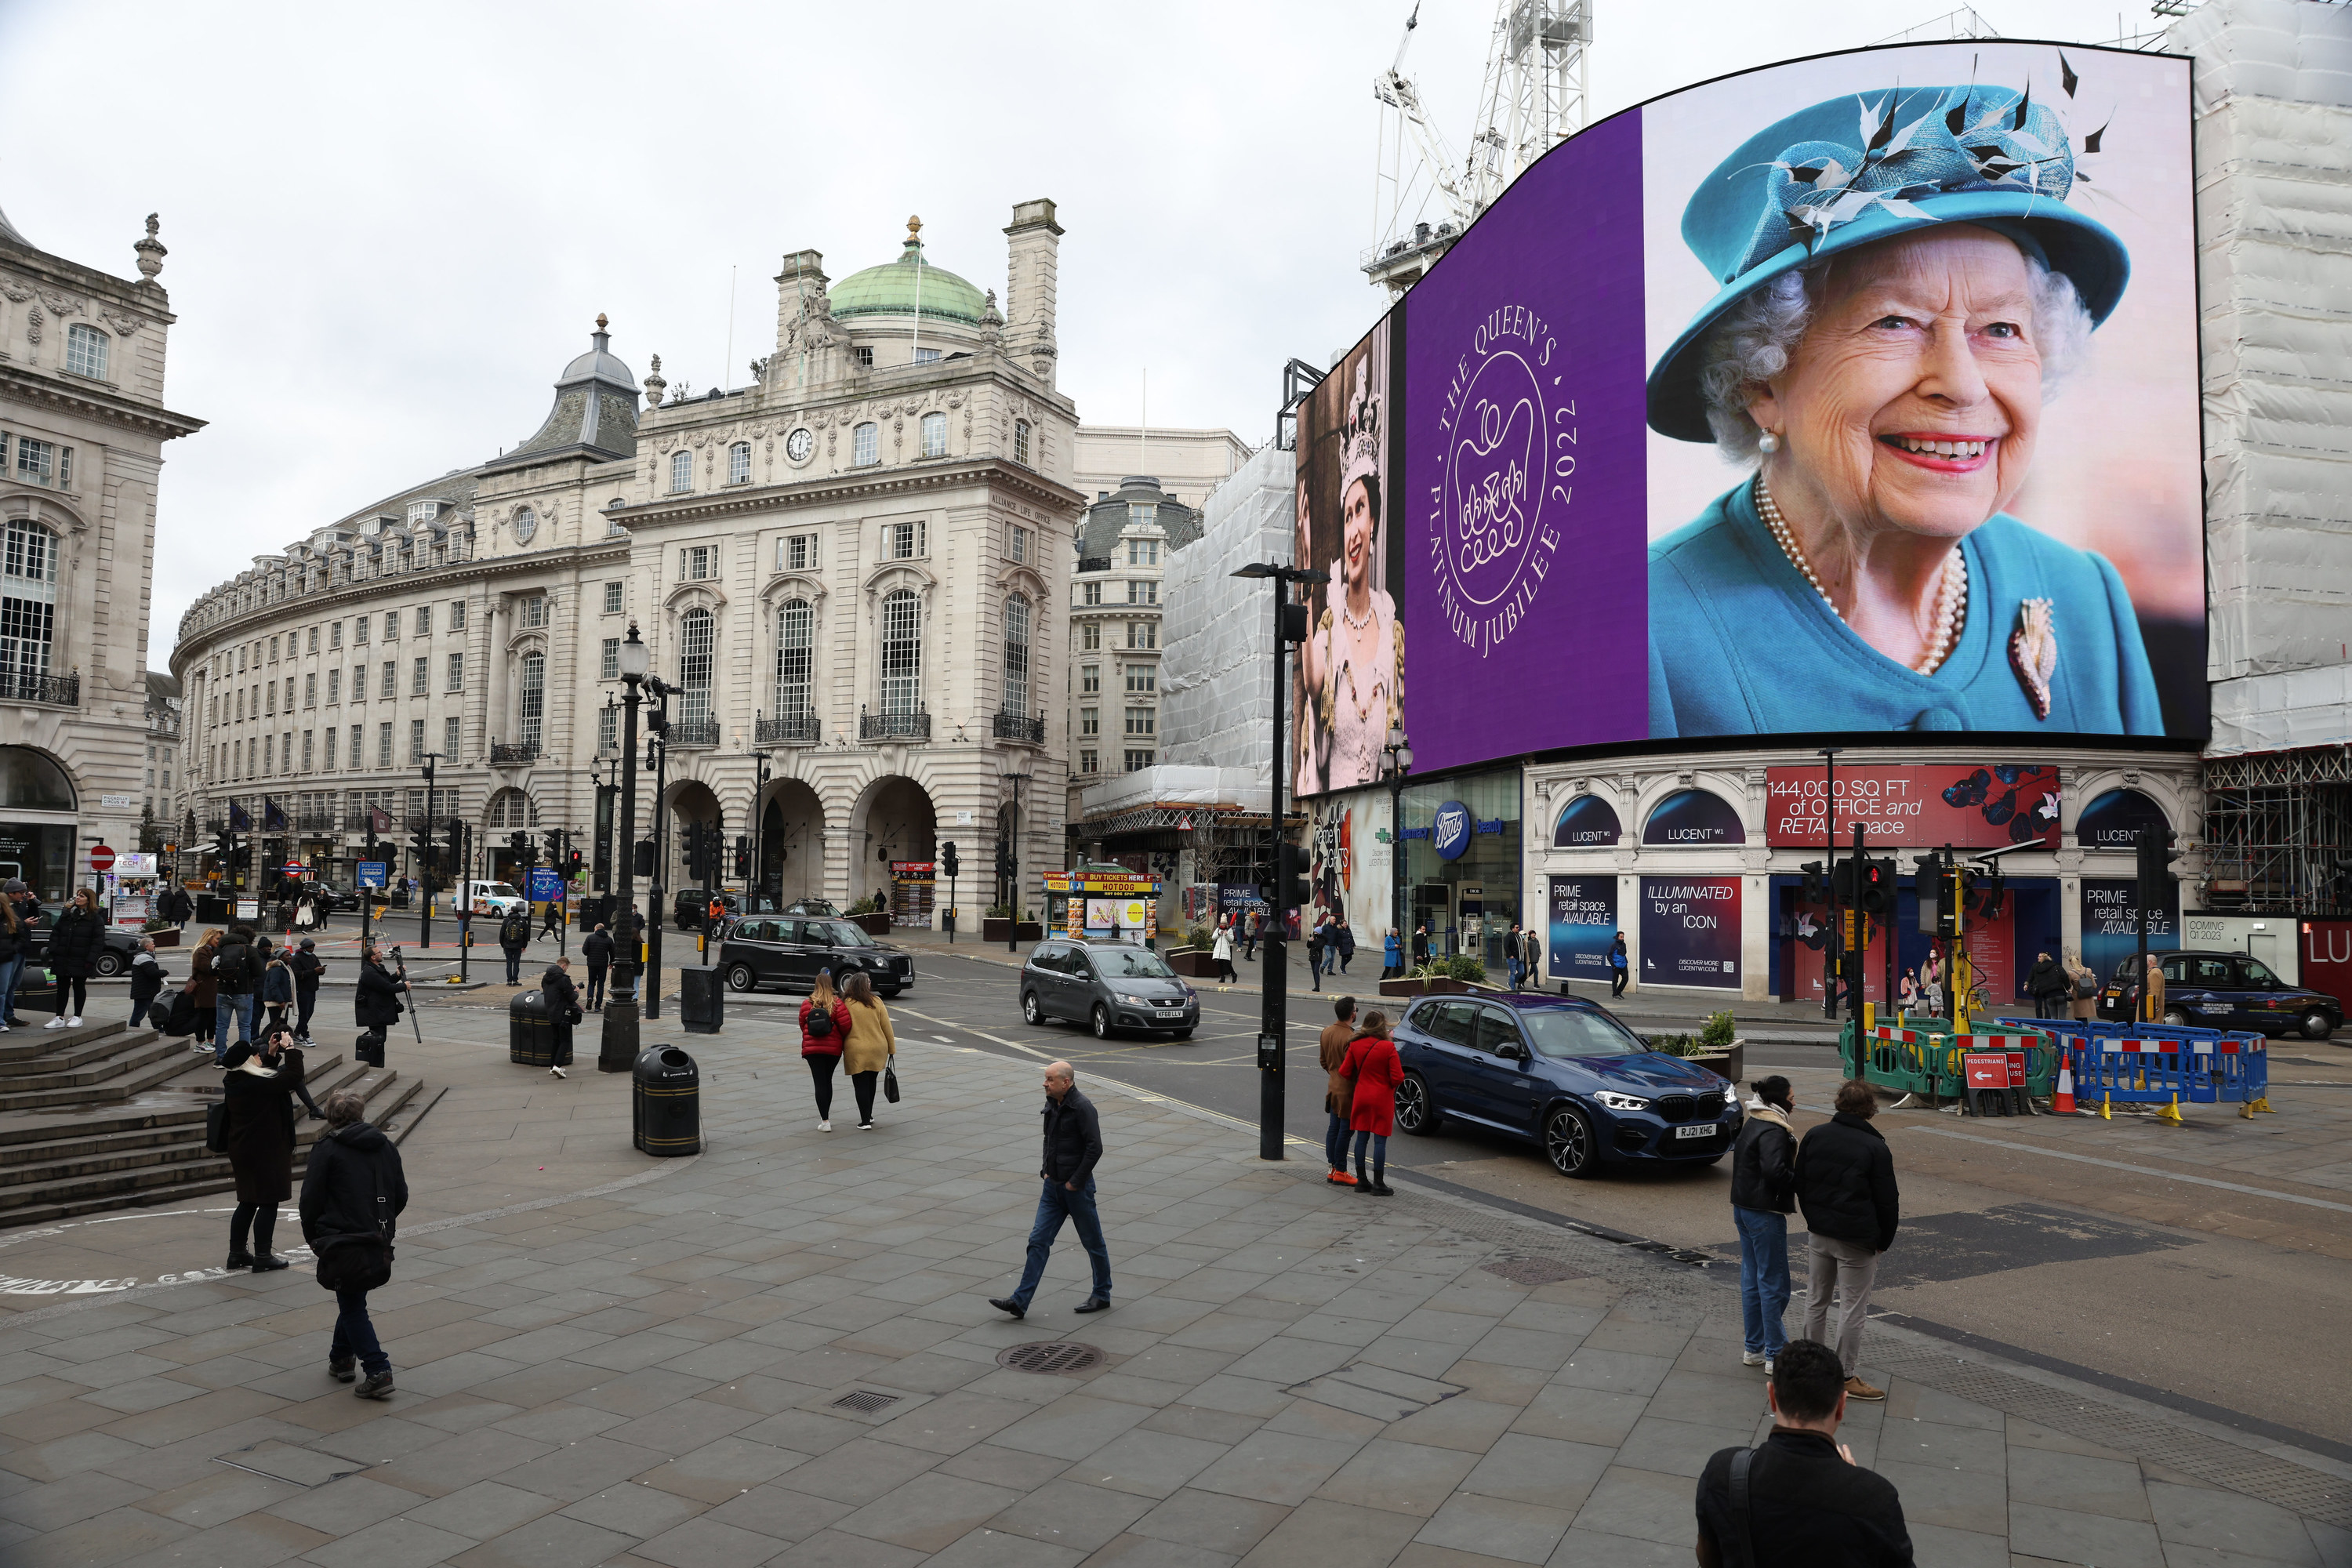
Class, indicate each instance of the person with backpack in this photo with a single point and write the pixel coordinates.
(598, 950)
(825, 1029)
(1798, 1501)
(146, 980)
(353, 1191)
(258, 1095)
(75, 942)
(308, 970)
(236, 976)
(514, 936)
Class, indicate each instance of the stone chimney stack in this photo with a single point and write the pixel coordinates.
(1033, 263)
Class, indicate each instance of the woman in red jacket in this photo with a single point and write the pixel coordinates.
(1371, 1061)
(824, 1025)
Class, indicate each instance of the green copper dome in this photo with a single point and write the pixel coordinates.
(891, 290)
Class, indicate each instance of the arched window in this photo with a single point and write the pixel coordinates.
(681, 472)
(739, 463)
(902, 653)
(512, 808)
(795, 656)
(1021, 440)
(533, 707)
(526, 523)
(1016, 656)
(86, 352)
(28, 598)
(865, 445)
(935, 434)
(697, 633)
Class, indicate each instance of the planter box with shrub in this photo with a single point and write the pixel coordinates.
(992, 929)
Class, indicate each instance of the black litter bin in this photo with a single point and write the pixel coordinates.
(531, 1031)
(701, 1001)
(666, 1102)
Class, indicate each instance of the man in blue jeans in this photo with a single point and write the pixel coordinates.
(1763, 1196)
(1073, 1147)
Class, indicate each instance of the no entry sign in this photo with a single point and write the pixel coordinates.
(101, 859)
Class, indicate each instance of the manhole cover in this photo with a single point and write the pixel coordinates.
(866, 1402)
(1050, 1356)
(1533, 1270)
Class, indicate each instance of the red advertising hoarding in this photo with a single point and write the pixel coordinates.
(1926, 805)
(2328, 958)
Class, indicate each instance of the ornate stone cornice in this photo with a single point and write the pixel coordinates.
(149, 419)
(909, 483)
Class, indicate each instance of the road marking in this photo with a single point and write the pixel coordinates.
(2137, 1170)
(983, 1034)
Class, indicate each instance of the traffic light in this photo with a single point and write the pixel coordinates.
(554, 837)
(1843, 882)
(2157, 854)
(949, 863)
(526, 853)
(1877, 879)
(702, 853)
(572, 865)
(1989, 893)
(1003, 859)
(643, 866)
(1928, 874)
(1815, 888)
(1291, 891)
(743, 859)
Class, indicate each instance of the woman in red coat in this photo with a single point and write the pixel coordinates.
(824, 1025)
(1371, 1061)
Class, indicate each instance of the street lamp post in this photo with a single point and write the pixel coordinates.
(657, 759)
(1398, 754)
(617, 1050)
(424, 930)
(1289, 627)
(1012, 843)
(1836, 943)
(758, 881)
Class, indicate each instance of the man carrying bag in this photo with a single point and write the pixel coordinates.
(1798, 1501)
(353, 1193)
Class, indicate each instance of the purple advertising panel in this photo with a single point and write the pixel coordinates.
(1523, 462)
(1690, 931)
(1583, 926)
(1660, 448)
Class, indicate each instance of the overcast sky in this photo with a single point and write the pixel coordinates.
(390, 228)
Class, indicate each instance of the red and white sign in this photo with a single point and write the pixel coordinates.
(295, 867)
(101, 859)
(1988, 1070)
(1968, 806)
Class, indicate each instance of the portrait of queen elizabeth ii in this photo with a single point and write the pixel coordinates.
(1903, 286)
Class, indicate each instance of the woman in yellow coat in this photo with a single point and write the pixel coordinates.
(871, 1047)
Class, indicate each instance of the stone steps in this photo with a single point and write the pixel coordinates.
(95, 1064)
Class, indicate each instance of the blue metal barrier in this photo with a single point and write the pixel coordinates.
(2167, 1065)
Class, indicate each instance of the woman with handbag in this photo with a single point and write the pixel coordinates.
(258, 1095)
(562, 999)
(353, 1193)
(870, 1048)
(75, 942)
(2085, 991)
(1371, 1061)
(824, 1030)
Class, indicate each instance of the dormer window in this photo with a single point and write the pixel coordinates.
(864, 354)
(739, 463)
(423, 510)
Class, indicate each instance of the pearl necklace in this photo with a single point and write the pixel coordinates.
(1349, 615)
(1951, 590)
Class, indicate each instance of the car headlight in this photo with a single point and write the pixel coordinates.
(1615, 1101)
(1133, 1000)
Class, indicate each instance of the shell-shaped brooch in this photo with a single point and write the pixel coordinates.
(2034, 653)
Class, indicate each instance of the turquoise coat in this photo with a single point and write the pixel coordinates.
(1741, 645)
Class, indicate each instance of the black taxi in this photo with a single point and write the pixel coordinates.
(786, 952)
(2220, 990)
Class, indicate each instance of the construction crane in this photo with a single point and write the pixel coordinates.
(1532, 98)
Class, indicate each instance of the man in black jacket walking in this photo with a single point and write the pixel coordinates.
(353, 1188)
(1763, 1195)
(1845, 1181)
(598, 950)
(1073, 1146)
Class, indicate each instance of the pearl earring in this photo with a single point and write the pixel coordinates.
(1767, 443)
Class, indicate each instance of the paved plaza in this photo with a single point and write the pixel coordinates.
(604, 1359)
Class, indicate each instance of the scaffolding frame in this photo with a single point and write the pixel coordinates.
(2278, 833)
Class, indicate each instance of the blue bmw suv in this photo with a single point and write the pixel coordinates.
(1562, 1073)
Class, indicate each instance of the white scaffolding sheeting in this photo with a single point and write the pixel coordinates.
(1215, 704)
(2274, 104)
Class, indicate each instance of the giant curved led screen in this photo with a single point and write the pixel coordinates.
(1849, 395)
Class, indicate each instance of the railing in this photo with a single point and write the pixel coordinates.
(55, 690)
(1015, 727)
(165, 725)
(693, 734)
(1094, 563)
(802, 730)
(314, 821)
(503, 755)
(893, 726)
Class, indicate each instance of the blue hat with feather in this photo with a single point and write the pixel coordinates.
(1852, 171)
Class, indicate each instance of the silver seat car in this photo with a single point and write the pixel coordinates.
(1110, 986)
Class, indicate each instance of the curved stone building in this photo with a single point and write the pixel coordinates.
(851, 573)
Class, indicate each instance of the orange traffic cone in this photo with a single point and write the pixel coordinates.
(2062, 1102)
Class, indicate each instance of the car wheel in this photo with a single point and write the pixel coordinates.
(1567, 1139)
(1101, 1019)
(110, 964)
(1030, 1008)
(2176, 1017)
(740, 978)
(1417, 1108)
(2317, 1026)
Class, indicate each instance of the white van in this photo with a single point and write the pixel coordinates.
(497, 900)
